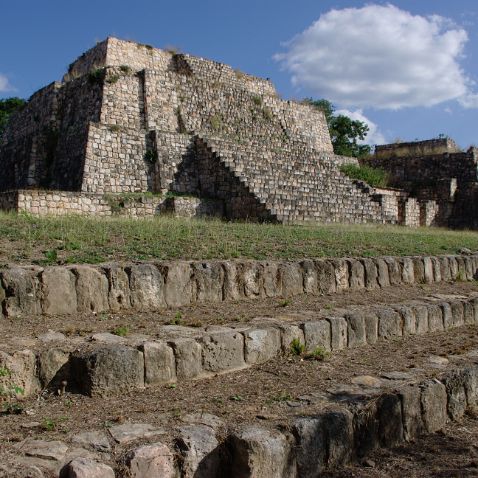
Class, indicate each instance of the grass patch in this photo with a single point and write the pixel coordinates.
(375, 177)
(24, 239)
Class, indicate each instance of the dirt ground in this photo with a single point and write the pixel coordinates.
(199, 315)
(268, 394)
(450, 453)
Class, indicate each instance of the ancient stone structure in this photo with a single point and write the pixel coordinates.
(131, 128)
(129, 119)
(442, 178)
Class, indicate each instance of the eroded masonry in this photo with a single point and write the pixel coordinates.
(135, 130)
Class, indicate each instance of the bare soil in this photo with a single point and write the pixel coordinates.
(199, 315)
(450, 453)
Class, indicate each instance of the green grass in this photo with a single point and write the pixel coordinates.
(25, 239)
(375, 177)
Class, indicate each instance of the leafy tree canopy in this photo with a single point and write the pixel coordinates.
(344, 131)
(7, 107)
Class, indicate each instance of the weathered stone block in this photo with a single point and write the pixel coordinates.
(394, 270)
(260, 453)
(421, 317)
(272, 279)
(389, 323)
(151, 460)
(108, 369)
(91, 289)
(390, 429)
(118, 287)
(53, 367)
(356, 274)
(147, 287)
(252, 279)
(309, 272)
(434, 405)
(468, 313)
(435, 318)
(455, 389)
(437, 277)
(291, 279)
(159, 363)
(311, 445)
(21, 291)
(233, 287)
(325, 277)
(261, 344)
(383, 276)
(317, 333)
(208, 279)
(408, 319)
(59, 291)
(341, 271)
(445, 271)
(356, 332)
(458, 313)
(338, 426)
(188, 354)
(223, 351)
(199, 453)
(178, 283)
(20, 377)
(338, 332)
(419, 270)
(371, 273)
(411, 412)
(290, 332)
(371, 324)
(447, 315)
(428, 271)
(453, 266)
(86, 468)
(407, 271)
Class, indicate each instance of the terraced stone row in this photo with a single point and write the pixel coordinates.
(347, 428)
(114, 287)
(110, 364)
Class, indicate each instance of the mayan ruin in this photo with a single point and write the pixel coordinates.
(195, 284)
(136, 130)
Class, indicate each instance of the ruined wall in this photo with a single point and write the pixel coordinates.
(417, 148)
(115, 161)
(417, 172)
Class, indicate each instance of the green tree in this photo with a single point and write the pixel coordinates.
(345, 132)
(7, 107)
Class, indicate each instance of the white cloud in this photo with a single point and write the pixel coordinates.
(374, 135)
(382, 57)
(5, 84)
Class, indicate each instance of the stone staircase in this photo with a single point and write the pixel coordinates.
(296, 183)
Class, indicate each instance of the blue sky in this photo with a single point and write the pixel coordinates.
(408, 67)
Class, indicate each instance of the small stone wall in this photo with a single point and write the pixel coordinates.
(28, 291)
(417, 148)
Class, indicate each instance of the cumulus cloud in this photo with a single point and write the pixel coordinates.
(5, 84)
(382, 57)
(374, 135)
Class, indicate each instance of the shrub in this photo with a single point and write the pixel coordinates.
(297, 347)
(375, 177)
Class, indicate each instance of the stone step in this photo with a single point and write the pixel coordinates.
(321, 415)
(105, 363)
(62, 290)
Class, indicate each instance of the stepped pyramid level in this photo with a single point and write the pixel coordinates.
(136, 130)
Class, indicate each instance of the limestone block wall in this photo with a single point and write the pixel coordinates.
(410, 213)
(430, 213)
(60, 203)
(412, 172)
(123, 99)
(115, 160)
(417, 148)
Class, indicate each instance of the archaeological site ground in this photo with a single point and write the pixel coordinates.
(193, 284)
